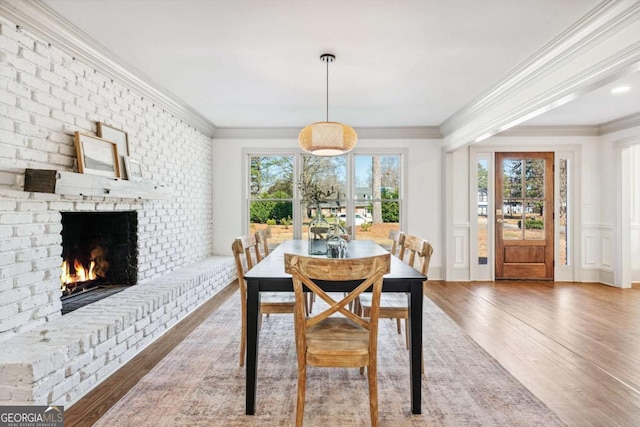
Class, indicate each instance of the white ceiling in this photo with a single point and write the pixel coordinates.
(255, 63)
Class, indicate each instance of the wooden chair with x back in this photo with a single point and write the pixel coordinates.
(395, 306)
(245, 251)
(397, 243)
(343, 341)
(262, 239)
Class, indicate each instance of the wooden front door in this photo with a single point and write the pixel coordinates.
(524, 216)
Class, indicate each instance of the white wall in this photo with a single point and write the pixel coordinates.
(423, 200)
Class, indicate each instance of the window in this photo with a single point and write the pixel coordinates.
(563, 256)
(376, 206)
(271, 195)
(363, 192)
(482, 226)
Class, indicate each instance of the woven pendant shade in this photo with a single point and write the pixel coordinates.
(327, 138)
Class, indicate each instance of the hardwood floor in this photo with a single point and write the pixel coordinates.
(576, 346)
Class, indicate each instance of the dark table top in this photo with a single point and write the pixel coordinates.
(272, 267)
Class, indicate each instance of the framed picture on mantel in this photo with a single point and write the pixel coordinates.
(120, 137)
(97, 156)
(133, 168)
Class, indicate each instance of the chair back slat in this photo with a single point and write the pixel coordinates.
(397, 242)
(245, 253)
(262, 239)
(418, 249)
(305, 270)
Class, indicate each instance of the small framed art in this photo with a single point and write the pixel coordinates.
(97, 156)
(133, 168)
(120, 137)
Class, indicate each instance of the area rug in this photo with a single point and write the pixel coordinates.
(201, 384)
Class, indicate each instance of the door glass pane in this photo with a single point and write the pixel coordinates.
(512, 225)
(512, 180)
(483, 200)
(563, 256)
(534, 179)
(534, 221)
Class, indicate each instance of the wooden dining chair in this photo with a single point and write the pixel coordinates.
(397, 243)
(345, 232)
(245, 250)
(395, 305)
(262, 239)
(346, 341)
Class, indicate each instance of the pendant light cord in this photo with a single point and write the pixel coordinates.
(328, 90)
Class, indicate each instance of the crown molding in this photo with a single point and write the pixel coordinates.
(407, 132)
(622, 123)
(39, 19)
(542, 131)
(482, 118)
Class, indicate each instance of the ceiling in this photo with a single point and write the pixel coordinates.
(255, 63)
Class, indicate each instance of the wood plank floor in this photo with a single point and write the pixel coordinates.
(575, 346)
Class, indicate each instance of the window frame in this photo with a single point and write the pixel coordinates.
(297, 155)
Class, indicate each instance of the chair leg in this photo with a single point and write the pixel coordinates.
(399, 325)
(302, 379)
(406, 331)
(373, 394)
(311, 297)
(357, 307)
(243, 340)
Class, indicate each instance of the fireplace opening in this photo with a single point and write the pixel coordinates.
(99, 256)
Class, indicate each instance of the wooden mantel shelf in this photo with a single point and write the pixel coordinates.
(77, 184)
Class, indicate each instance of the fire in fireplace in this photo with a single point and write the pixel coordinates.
(99, 254)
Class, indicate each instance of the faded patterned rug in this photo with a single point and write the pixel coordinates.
(200, 383)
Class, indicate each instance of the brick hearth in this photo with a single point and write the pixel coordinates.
(60, 361)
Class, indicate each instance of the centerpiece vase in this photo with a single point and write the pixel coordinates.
(336, 243)
(318, 233)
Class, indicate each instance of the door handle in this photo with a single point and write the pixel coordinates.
(499, 220)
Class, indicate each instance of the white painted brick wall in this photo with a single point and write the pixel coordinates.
(45, 96)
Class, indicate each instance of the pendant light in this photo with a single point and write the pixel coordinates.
(327, 138)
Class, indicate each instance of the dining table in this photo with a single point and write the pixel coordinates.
(269, 276)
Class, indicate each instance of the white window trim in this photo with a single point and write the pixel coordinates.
(248, 152)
